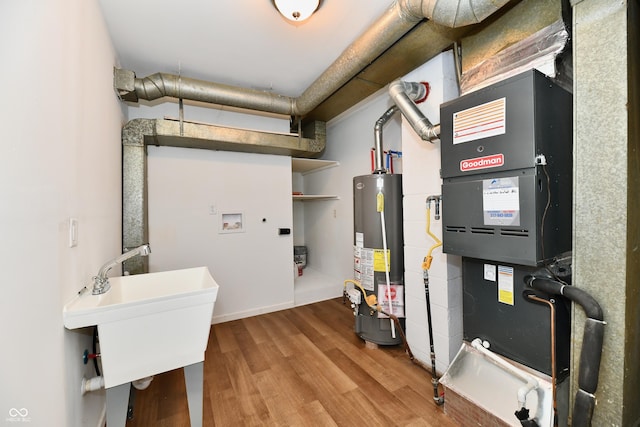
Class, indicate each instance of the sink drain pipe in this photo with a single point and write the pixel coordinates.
(530, 382)
(591, 352)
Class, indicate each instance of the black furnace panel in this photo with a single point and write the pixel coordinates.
(496, 311)
(507, 171)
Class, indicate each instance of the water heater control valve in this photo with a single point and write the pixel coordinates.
(354, 296)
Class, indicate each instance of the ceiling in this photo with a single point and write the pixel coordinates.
(248, 44)
(244, 43)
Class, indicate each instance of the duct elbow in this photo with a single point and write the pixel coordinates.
(152, 87)
(452, 14)
(124, 84)
(430, 132)
(404, 95)
(131, 88)
(414, 90)
(424, 129)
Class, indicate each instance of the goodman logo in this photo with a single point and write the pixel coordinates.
(485, 162)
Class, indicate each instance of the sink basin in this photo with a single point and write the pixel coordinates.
(148, 323)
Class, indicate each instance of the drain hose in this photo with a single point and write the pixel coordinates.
(591, 351)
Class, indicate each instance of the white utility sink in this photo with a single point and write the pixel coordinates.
(148, 323)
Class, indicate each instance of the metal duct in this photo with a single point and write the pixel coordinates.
(377, 132)
(155, 86)
(452, 14)
(401, 93)
(401, 17)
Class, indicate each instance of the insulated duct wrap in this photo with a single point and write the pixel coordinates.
(592, 340)
(452, 14)
(160, 85)
(394, 23)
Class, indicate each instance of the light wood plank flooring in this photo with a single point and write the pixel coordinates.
(298, 367)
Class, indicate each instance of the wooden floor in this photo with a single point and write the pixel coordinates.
(298, 367)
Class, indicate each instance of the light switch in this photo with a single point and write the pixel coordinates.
(73, 232)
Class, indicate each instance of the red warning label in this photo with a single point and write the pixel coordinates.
(485, 162)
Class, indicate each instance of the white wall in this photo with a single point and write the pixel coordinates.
(329, 225)
(422, 179)
(183, 186)
(350, 137)
(59, 158)
(189, 192)
(167, 108)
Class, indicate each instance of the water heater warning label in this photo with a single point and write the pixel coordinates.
(363, 261)
(394, 295)
(480, 122)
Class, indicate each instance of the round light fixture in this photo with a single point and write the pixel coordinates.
(296, 10)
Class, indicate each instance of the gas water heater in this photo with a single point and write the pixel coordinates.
(507, 191)
(369, 257)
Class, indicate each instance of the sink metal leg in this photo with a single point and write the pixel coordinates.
(194, 379)
(131, 404)
(117, 402)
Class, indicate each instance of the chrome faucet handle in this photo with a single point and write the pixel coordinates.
(100, 285)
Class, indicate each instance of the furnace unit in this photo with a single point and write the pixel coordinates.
(506, 170)
(506, 192)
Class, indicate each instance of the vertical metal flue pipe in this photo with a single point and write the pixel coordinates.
(377, 130)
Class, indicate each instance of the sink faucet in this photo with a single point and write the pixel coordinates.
(101, 282)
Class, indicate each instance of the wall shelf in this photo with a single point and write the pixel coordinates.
(310, 197)
(307, 166)
(313, 285)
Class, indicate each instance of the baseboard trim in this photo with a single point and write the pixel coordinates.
(249, 313)
(102, 420)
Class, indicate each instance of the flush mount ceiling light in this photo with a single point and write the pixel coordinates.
(296, 10)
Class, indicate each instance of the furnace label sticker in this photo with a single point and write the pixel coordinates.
(480, 122)
(490, 272)
(501, 201)
(505, 285)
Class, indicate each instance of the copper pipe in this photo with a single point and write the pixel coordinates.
(552, 307)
